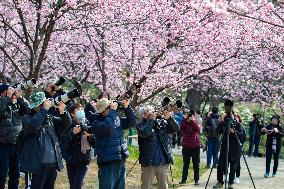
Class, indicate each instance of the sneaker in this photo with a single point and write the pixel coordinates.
(230, 186)
(237, 180)
(182, 182)
(196, 183)
(274, 174)
(266, 175)
(218, 185)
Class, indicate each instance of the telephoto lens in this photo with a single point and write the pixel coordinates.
(25, 85)
(66, 97)
(60, 81)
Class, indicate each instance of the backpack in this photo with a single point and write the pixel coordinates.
(212, 129)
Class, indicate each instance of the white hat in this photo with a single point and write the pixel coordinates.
(102, 105)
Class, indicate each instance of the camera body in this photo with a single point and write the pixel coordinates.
(86, 128)
(59, 82)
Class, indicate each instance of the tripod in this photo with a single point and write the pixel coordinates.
(227, 155)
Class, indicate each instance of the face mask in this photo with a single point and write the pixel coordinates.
(80, 115)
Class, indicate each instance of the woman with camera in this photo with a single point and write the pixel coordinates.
(273, 144)
(190, 146)
(77, 146)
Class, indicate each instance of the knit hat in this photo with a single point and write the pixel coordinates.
(229, 103)
(4, 87)
(37, 99)
(102, 105)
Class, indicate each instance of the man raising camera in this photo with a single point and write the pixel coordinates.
(230, 153)
(110, 144)
(40, 153)
(12, 107)
(154, 146)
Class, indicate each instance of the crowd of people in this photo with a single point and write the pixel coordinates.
(39, 134)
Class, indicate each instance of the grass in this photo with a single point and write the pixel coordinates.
(134, 178)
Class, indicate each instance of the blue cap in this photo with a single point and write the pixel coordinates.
(4, 87)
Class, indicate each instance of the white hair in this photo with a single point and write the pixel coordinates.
(146, 109)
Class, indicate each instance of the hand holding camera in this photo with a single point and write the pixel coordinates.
(76, 129)
(61, 107)
(113, 106)
(264, 130)
(10, 92)
(167, 114)
(125, 103)
(47, 104)
(18, 93)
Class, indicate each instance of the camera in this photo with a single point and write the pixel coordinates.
(59, 82)
(25, 85)
(66, 97)
(86, 128)
(128, 94)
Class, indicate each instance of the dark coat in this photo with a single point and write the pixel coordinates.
(10, 118)
(255, 128)
(36, 126)
(149, 132)
(270, 137)
(72, 146)
(108, 131)
(234, 138)
(90, 113)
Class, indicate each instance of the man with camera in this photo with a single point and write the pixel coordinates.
(154, 146)
(12, 107)
(110, 144)
(40, 153)
(230, 152)
(255, 127)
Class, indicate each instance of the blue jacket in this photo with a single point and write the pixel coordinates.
(178, 117)
(153, 137)
(37, 126)
(108, 131)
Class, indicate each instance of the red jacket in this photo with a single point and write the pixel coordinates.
(191, 134)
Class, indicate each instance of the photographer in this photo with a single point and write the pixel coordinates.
(77, 145)
(53, 89)
(12, 107)
(231, 131)
(273, 144)
(190, 147)
(110, 144)
(255, 127)
(154, 147)
(177, 115)
(40, 154)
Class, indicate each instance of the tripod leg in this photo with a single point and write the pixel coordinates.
(172, 176)
(132, 167)
(209, 177)
(248, 169)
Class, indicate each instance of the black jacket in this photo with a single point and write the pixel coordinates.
(271, 135)
(234, 138)
(10, 118)
(148, 133)
(72, 146)
(255, 127)
(36, 127)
